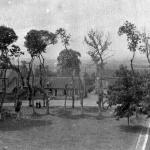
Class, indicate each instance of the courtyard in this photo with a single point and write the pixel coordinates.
(69, 130)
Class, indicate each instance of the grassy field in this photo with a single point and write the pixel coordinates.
(68, 131)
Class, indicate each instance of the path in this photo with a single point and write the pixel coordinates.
(143, 137)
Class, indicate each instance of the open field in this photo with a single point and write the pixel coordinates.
(68, 131)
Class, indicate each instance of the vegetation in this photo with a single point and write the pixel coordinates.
(99, 52)
(127, 92)
(68, 61)
(133, 39)
(8, 51)
(36, 43)
(122, 92)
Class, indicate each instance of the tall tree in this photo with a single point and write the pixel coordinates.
(7, 52)
(145, 45)
(133, 39)
(145, 49)
(36, 42)
(68, 60)
(99, 52)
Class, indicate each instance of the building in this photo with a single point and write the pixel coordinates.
(59, 86)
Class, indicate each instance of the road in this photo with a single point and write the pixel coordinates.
(90, 101)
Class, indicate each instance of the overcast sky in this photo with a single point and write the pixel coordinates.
(77, 17)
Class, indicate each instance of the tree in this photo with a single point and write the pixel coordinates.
(145, 49)
(145, 46)
(68, 60)
(65, 38)
(122, 92)
(7, 52)
(36, 42)
(133, 39)
(99, 52)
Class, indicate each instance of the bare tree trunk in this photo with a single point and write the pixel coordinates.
(98, 88)
(65, 101)
(29, 92)
(73, 99)
(44, 101)
(128, 120)
(3, 90)
(73, 90)
(81, 93)
(33, 108)
(66, 94)
(30, 88)
(131, 64)
(81, 102)
(47, 105)
(43, 74)
(135, 82)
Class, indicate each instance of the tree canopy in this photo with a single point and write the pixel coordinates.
(99, 44)
(8, 36)
(37, 41)
(122, 92)
(133, 37)
(68, 61)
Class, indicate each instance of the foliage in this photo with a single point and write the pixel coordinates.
(133, 37)
(7, 52)
(122, 92)
(99, 46)
(8, 36)
(68, 61)
(99, 52)
(65, 38)
(37, 41)
(145, 45)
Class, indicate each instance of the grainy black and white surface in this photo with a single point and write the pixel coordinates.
(82, 127)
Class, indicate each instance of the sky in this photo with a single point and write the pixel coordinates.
(77, 17)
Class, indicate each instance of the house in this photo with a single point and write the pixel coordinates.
(60, 85)
(11, 81)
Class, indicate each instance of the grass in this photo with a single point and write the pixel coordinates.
(68, 131)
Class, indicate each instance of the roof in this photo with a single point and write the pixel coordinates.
(61, 82)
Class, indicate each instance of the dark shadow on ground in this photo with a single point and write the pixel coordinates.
(75, 114)
(89, 109)
(23, 124)
(140, 129)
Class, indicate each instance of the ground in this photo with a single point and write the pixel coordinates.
(68, 130)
